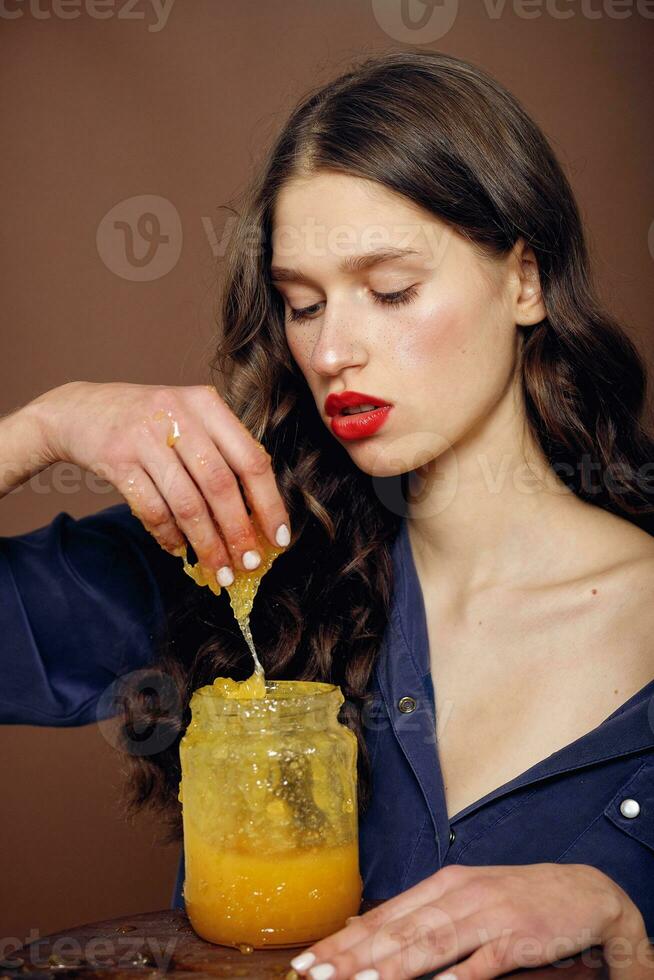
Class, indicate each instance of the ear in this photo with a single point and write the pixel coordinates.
(529, 306)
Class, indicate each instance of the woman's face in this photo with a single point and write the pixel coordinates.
(441, 349)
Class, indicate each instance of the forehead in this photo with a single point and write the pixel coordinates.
(332, 215)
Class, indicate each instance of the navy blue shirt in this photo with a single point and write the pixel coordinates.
(81, 601)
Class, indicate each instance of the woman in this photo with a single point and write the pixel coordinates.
(471, 562)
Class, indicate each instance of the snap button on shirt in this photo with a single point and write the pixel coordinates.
(406, 705)
(630, 808)
(452, 835)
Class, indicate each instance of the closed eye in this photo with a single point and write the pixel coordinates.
(387, 299)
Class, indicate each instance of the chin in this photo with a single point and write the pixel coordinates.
(378, 462)
(389, 454)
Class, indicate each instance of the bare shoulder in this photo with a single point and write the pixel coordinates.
(623, 555)
(632, 579)
(629, 549)
(622, 591)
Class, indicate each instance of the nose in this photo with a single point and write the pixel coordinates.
(337, 346)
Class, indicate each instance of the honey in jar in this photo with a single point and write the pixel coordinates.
(270, 814)
(269, 802)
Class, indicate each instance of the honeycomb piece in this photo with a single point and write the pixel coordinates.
(245, 585)
(253, 687)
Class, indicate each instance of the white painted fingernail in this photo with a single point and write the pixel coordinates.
(323, 971)
(303, 961)
(445, 976)
(251, 559)
(367, 975)
(283, 536)
(225, 575)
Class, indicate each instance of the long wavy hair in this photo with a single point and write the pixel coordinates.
(448, 137)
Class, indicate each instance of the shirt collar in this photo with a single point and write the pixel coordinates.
(404, 668)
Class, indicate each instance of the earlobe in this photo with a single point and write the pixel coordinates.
(530, 307)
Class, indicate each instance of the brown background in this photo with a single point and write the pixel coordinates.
(98, 111)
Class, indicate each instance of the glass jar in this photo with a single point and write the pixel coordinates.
(269, 807)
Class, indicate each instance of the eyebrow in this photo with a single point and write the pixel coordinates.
(352, 263)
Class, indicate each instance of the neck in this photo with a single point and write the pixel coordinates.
(491, 511)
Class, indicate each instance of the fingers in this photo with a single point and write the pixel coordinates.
(442, 887)
(187, 505)
(493, 959)
(250, 460)
(408, 947)
(220, 489)
(194, 450)
(146, 503)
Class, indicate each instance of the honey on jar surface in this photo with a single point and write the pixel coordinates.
(269, 800)
(269, 812)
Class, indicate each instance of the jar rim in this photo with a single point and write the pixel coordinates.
(280, 695)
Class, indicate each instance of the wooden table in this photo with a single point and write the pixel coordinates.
(156, 944)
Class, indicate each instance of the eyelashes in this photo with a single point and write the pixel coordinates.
(386, 299)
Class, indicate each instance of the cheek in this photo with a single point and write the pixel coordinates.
(453, 353)
(436, 335)
(300, 347)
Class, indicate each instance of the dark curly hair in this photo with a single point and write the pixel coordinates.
(448, 137)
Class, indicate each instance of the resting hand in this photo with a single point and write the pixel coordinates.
(488, 921)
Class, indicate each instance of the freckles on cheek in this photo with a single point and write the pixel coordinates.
(300, 349)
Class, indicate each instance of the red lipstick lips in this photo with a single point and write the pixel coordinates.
(360, 424)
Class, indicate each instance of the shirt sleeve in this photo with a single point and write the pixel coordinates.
(81, 603)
